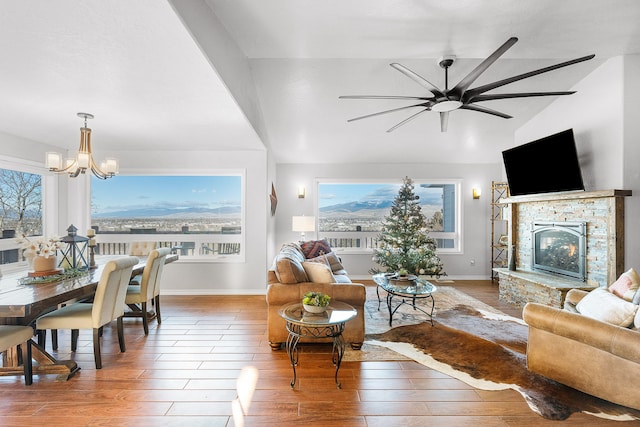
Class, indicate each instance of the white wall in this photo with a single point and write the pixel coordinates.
(193, 277)
(475, 219)
(631, 159)
(604, 117)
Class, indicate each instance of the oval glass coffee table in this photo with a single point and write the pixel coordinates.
(408, 290)
(303, 324)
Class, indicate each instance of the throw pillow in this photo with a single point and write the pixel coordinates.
(331, 259)
(636, 321)
(317, 272)
(314, 248)
(602, 305)
(627, 285)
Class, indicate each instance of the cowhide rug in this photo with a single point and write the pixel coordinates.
(487, 351)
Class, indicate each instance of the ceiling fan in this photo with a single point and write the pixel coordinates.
(461, 96)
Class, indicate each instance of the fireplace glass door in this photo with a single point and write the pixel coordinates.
(559, 248)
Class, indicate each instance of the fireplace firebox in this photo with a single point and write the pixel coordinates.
(559, 248)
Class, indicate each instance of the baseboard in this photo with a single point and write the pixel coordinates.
(213, 292)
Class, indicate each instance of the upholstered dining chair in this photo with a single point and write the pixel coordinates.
(147, 289)
(107, 305)
(142, 248)
(11, 336)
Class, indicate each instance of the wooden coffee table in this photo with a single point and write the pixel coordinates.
(330, 324)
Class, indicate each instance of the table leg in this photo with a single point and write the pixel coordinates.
(389, 298)
(292, 349)
(337, 353)
(46, 364)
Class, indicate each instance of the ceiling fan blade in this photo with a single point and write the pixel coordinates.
(473, 75)
(471, 93)
(418, 79)
(384, 97)
(408, 119)
(389, 111)
(486, 110)
(490, 97)
(444, 121)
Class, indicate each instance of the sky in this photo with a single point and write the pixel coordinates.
(134, 192)
(334, 194)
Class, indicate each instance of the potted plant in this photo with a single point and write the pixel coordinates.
(403, 273)
(315, 302)
(40, 253)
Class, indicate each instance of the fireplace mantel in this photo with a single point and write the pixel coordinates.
(565, 196)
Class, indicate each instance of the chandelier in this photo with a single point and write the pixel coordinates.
(84, 159)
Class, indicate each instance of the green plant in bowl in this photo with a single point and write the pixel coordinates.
(315, 302)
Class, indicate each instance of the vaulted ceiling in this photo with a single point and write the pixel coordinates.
(250, 74)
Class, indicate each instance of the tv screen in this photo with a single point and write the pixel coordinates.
(546, 165)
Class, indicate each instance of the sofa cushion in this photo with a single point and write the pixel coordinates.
(627, 285)
(314, 248)
(341, 278)
(332, 260)
(288, 264)
(318, 272)
(602, 305)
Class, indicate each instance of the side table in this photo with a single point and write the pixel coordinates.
(330, 324)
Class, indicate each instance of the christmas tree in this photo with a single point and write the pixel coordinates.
(404, 243)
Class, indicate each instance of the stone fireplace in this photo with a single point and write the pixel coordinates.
(598, 215)
(559, 248)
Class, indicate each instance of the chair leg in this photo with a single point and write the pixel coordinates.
(42, 337)
(96, 348)
(158, 317)
(27, 362)
(145, 318)
(54, 339)
(120, 322)
(74, 339)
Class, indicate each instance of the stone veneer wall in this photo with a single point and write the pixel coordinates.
(595, 212)
(603, 211)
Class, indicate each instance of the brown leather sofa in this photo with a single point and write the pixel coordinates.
(288, 282)
(589, 355)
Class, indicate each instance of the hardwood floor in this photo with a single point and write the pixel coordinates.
(184, 374)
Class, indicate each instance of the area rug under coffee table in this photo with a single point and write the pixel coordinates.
(478, 345)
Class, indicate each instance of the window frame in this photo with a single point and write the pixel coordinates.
(456, 236)
(49, 195)
(128, 238)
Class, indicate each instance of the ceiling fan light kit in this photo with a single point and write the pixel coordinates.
(461, 96)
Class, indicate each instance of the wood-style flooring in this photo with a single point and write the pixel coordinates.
(184, 374)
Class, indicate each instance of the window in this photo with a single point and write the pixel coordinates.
(200, 217)
(20, 208)
(350, 215)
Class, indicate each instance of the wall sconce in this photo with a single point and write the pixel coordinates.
(303, 224)
(301, 192)
(477, 192)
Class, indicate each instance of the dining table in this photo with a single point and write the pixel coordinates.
(22, 301)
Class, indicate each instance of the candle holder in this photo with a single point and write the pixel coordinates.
(73, 256)
(92, 258)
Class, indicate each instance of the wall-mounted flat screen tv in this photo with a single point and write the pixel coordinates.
(546, 165)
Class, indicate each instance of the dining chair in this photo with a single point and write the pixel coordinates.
(142, 248)
(12, 336)
(148, 289)
(107, 305)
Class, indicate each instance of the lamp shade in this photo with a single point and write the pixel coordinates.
(303, 223)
